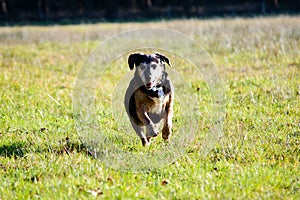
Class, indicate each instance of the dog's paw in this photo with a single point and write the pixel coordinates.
(166, 132)
(145, 142)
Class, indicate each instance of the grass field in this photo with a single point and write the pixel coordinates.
(258, 157)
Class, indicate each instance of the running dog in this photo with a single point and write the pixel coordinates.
(149, 98)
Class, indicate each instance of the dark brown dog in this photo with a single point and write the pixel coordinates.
(149, 98)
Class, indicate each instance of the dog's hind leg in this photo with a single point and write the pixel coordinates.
(140, 132)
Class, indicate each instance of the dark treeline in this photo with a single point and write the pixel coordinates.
(52, 10)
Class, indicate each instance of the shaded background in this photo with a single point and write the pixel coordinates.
(100, 10)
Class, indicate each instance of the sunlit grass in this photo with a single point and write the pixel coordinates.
(41, 155)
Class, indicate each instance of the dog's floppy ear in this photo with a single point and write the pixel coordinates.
(136, 59)
(164, 58)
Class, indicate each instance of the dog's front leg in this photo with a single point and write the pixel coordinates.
(151, 129)
(167, 129)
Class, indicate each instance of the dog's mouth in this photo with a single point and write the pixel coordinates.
(149, 85)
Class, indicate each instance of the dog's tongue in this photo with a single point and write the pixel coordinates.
(149, 85)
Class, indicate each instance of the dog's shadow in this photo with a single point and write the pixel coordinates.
(20, 149)
(16, 149)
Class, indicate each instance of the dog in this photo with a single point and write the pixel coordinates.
(149, 98)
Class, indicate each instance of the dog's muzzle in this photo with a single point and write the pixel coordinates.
(149, 86)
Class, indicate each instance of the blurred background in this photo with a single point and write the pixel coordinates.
(13, 11)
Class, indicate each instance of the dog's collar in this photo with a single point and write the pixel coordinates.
(159, 91)
(156, 91)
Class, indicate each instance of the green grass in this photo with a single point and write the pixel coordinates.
(258, 157)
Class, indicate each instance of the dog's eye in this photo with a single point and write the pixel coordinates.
(154, 66)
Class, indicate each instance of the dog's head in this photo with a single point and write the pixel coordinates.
(149, 67)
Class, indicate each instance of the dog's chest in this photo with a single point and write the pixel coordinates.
(157, 105)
